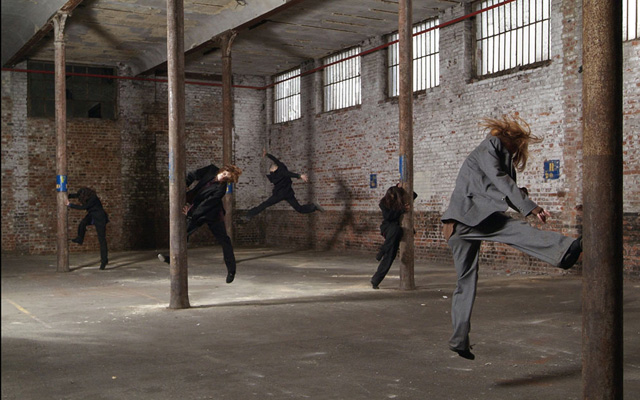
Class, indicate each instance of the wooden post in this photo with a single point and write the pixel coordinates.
(59, 21)
(405, 105)
(602, 354)
(177, 155)
(227, 125)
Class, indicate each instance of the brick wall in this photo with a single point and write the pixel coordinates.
(124, 160)
(29, 173)
(341, 149)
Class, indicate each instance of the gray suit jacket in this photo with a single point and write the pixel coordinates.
(486, 184)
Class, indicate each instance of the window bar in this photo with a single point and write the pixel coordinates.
(485, 44)
(490, 44)
(514, 34)
(341, 81)
(532, 39)
(537, 34)
(436, 58)
(496, 38)
(541, 38)
(506, 50)
(347, 91)
(416, 45)
(340, 85)
(486, 48)
(346, 84)
(418, 61)
(396, 64)
(501, 38)
(350, 68)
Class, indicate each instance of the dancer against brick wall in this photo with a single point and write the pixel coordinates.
(485, 189)
(393, 205)
(96, 216)
(280, 176)
(204, 205)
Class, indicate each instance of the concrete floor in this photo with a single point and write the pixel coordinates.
(293, 325)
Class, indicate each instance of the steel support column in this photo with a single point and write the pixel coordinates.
(405, 105)
(177, 155)
(59, 21)
(602, 366)
(227, 125)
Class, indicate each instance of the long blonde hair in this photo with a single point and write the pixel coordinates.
(512, 131)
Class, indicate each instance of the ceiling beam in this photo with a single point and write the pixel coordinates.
(215, 41)
(21, 54)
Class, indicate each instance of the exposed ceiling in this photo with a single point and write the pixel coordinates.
(272, 35)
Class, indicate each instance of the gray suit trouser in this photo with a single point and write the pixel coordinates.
(465, 243)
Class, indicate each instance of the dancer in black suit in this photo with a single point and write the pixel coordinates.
(280, 176)
(204, 205)
(95, 216)
(393, 205)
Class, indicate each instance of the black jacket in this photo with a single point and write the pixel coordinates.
(281, 178)
(390, 216)
(207, 194)
(93, 207)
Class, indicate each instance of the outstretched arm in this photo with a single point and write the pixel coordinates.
(275, 160)
(90, 203)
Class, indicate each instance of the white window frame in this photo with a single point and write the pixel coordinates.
(512, 35)
(342, 85)
(630, 19)
(426, 58)
(286, 96)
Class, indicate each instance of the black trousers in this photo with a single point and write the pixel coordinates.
(392, 233)
(275, 199)
(219, 231)
(101, 229)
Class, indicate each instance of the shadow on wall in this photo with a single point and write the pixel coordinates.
(344, 195)
(147, 221)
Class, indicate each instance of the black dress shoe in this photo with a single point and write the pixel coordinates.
(374, 285)
(103, 265)
(466, 353)
(76, 240)
(572, 255)
(230, 277)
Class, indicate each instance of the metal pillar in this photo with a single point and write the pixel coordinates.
(227, 124)
(177, 155)
(59, 21)
(405, 105)
(602, 361)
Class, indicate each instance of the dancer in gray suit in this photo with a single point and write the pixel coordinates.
(485, 189)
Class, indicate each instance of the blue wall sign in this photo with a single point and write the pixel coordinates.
(373, 181)
(229, 188)
(551, 169)
(402, 168)
(61, 183)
